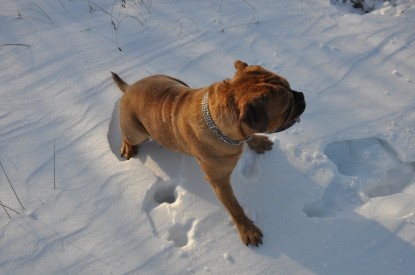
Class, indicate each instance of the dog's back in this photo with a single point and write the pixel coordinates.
(155, 103)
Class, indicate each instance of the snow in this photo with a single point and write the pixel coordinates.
(336, 195)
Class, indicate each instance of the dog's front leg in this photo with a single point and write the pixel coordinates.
(260, 143)
(250, 233)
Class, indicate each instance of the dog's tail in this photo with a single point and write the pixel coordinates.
(120, 83)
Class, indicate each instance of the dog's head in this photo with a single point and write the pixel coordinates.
(265, 101)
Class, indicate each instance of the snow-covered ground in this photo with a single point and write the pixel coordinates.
(336, 195)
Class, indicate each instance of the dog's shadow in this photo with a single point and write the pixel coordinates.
(114, 134)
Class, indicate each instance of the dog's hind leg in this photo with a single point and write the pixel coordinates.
(133, 133)
(128, 150)
(130, 143)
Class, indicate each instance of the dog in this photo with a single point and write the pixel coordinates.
(211, 124)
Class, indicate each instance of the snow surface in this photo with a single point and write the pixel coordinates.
(336, 195)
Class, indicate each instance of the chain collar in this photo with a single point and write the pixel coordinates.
(212, 126)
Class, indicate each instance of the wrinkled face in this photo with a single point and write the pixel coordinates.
(266, 102)
(295, 108)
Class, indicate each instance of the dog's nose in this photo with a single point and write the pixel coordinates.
(299, 98)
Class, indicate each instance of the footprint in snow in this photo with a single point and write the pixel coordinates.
(367, 168)
(180, 233)
(161, 204)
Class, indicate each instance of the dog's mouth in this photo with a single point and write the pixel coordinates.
(298, 110)
(286, 126)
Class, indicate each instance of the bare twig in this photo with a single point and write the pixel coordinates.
(240, 25)
(134, 5)
(5, 210)
(187, 17)
(63, 6)
(54, 163)
(308, 3)
(4, 171)
(11, 209)
(94, 7)
(22, 45)
(139, 3)
(5, 207)
(45, 18)
(41, 12)
(249, 4)
(146, 5)
(402, 12)
(220, 7)
(116, 27)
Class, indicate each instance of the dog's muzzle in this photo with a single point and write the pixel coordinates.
(299, 101)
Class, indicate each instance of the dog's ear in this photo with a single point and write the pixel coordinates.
(239, 65)
(255, 116)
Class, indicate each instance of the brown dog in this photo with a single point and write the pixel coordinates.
(211, 124)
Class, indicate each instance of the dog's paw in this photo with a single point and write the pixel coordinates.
(127, 150)
(251, 234)
(260, 144)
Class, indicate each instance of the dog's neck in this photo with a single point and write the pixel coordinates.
(212, 126)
